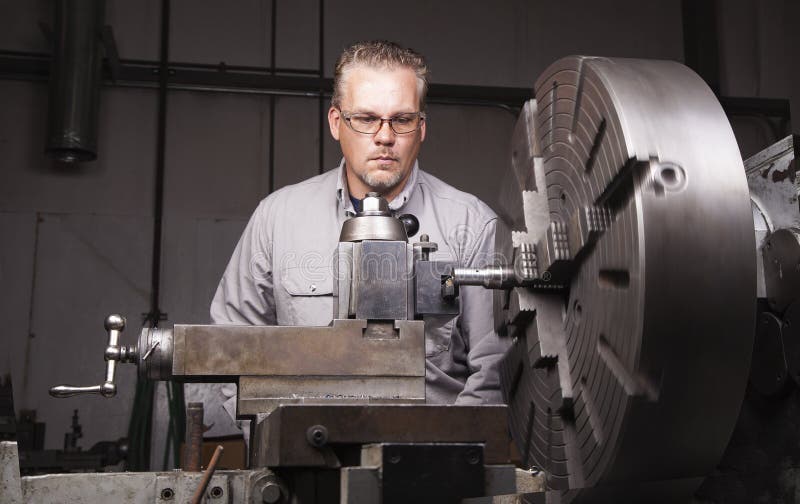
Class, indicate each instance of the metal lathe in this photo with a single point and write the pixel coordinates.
(647, 266)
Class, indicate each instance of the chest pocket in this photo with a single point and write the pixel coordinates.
(308, 296)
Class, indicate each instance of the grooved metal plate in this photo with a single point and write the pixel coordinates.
(636, 372)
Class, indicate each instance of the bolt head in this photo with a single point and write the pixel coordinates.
(271, 493)
(375, 203)
(317, 436)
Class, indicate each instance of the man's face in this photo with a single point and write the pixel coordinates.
(380, 162)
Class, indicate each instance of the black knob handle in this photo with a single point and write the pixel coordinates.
(410, 223)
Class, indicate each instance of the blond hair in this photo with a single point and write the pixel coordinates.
(379, 54)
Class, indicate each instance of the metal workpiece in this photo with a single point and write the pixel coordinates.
(496, 277)
(606, 380)
(114, 352)
(284, 434)
(781, 256)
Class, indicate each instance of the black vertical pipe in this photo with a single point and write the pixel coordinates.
(322, 105)
(75, 76)
(155, 314)
(141, 424)
(272, 100)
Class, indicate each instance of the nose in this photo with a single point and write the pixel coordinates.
(385, 135)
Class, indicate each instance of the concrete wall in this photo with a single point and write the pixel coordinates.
(76, 243)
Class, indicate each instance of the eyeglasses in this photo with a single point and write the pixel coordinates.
(369, 124)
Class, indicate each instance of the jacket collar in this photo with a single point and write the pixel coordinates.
(343, 195)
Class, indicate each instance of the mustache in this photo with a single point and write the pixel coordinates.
(389, 154)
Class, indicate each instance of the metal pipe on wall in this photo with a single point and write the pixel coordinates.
(321, 117)
(75, 78)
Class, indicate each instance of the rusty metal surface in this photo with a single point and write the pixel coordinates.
(138, 488)
(612, 382)
(342, 349)
(193, 447)
(774, 182)
(282, 437)
(10, 482)
(259, 395)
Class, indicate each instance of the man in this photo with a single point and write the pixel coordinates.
(281, 271)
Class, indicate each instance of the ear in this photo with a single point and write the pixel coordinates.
(422, 131)
(334, 121)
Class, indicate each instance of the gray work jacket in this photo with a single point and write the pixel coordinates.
(281, 273)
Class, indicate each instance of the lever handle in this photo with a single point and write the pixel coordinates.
(61, 391)
(114, 353)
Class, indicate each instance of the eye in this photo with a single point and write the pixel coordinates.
(364, 119)
(402, 120)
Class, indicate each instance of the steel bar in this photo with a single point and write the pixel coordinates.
(193, 446)
(212, 466)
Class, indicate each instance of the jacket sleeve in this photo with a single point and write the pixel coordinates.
(485, 347)
(245, 294)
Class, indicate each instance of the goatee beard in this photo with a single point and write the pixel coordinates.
(377, 180)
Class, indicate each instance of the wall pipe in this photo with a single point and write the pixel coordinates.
(75, 77)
